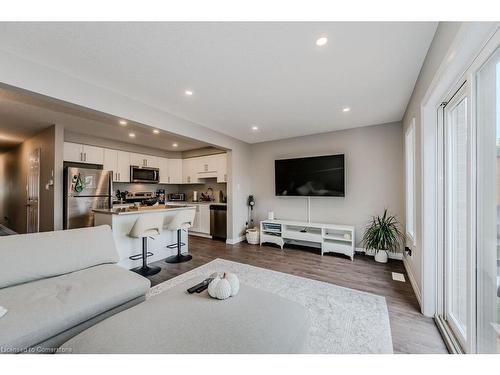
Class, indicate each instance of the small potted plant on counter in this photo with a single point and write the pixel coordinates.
(383, 236)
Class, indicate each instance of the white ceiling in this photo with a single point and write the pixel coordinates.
(22, 116)
(242, 74)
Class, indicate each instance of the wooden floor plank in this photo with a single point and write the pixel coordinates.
(411, 331)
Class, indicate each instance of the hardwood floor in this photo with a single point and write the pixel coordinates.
(411, 331)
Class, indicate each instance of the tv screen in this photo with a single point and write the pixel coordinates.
(321, 176)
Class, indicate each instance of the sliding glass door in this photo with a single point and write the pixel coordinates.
(488, 205)
(456, 217)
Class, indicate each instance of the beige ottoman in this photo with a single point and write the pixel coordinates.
(174, 321)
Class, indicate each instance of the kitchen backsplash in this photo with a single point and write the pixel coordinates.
(187, 189)
(202, 188)
(133, 187)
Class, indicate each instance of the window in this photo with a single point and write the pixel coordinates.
(410, 180)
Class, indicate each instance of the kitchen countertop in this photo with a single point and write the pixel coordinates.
(142, 210)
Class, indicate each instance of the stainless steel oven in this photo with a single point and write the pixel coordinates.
(145, 175)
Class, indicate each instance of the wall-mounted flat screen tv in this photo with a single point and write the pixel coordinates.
(319, 176)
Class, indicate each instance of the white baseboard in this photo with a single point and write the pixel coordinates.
(413, 283)
(204, 235)
(397, 256)
(233, 241)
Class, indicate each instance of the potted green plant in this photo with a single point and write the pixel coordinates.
(383, 236)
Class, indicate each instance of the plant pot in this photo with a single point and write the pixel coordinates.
(381, 256)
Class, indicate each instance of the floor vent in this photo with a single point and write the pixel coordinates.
(396, 276)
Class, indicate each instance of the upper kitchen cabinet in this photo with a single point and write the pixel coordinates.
(221, 167)
(170, 171)
(164, 176)
(79, 153)
(119, 163)
(189, 171)
(207, 164)
(174, 171)
(141, 160)
(195, 170)
(123, 166)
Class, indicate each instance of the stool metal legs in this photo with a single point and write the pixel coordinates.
(179, 258)
(146, 270)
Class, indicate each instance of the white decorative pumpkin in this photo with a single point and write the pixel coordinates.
(219, 288)
(233, 282)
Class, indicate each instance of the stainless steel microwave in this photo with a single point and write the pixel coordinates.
(145, 175)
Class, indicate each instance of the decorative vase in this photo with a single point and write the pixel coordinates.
(381, 256)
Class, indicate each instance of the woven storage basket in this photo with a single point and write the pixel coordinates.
(252, 236)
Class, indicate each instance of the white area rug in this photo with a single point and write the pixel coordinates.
(343, 320)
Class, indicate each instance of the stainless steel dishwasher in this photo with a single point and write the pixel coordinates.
(218, 222)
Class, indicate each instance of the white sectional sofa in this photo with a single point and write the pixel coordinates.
(56, 284)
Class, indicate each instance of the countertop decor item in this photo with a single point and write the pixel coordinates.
(383, 236)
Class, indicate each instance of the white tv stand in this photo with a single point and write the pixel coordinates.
(330, 237)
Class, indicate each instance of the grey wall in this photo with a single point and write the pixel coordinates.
(374, 175)
(14, 178)
(440, 45)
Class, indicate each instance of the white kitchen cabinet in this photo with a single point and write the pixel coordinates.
(174, 171)
(119, 163)
(142, 160)
(93, 154)
(196, 221)
(204, 226)
(189, 174)
(163, 165)
(79, 153)
(201, 222)
(206, 164)
(73, 152)
(111, 162)
(222, 168)
(123, 166)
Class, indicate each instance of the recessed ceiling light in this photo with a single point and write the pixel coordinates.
(174, 145)
(131, 135)
(346, 109)
(122, 122)
(156, 131)
(255, 128)
(188, 93)
(320, 42)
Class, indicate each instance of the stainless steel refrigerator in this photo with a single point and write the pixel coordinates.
(84, 190)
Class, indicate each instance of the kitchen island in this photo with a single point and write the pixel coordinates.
(121, 221)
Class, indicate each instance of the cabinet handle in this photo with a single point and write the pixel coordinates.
(81, 156)
(119, 176)
(225, 177)
(168, 179)
(85, 156)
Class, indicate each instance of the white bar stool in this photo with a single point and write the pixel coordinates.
(146, 226)
(183, 220)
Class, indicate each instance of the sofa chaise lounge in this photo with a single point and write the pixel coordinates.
(54, 285)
